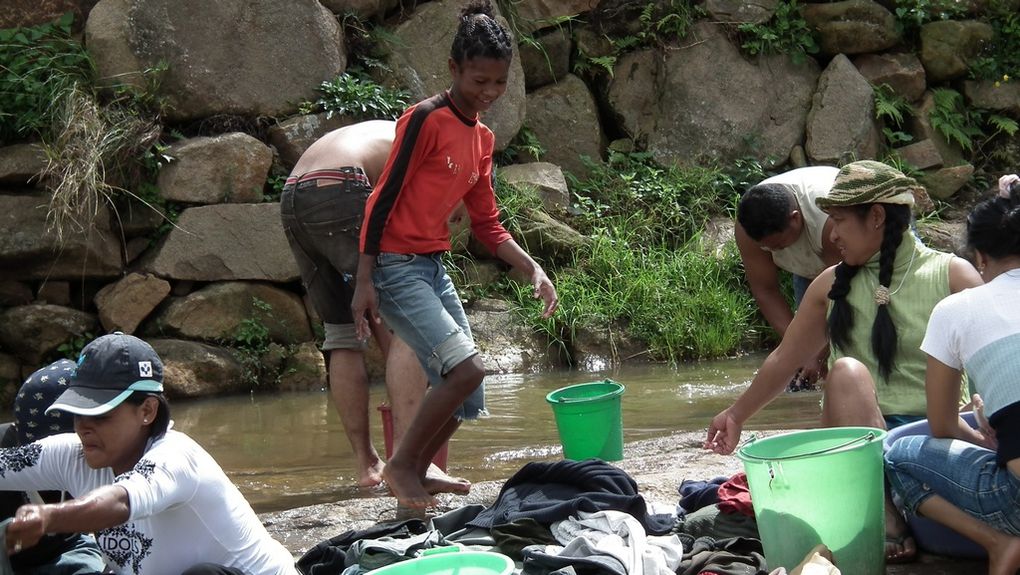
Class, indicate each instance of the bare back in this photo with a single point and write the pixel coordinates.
(364, 145)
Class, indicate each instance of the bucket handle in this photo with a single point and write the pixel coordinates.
(869, 436)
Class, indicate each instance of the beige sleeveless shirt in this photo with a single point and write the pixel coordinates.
(804, 257)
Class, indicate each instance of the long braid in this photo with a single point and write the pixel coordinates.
(841, 318)
(883, 332)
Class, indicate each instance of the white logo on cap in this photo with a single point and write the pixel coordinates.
(145, 368)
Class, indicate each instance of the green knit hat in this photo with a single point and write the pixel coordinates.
(869, 182)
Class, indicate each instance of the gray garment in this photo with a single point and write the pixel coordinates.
(538, 560)
(368, 554)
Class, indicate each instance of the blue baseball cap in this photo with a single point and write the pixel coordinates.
(110, 368)
(38, 393)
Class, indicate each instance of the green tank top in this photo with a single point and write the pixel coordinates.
(927, 283)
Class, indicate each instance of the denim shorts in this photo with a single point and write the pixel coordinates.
(962, 473)
(322, 213)
(421, 306)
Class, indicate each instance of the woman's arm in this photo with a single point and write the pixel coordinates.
(962, 275)
(942, 388)
(102, 508)
(512, 254)
(804, 339)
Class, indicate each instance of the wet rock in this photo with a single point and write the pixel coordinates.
(852, 26)
(292, 137)
(504, 344)
(902, 72)
(597, 350)
(304, 369)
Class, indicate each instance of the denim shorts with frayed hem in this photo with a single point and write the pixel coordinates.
(419, 303)
(962, 473)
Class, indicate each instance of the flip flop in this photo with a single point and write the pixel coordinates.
(906, 553)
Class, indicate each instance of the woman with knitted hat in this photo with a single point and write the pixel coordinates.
(872, 307)
(158, 503)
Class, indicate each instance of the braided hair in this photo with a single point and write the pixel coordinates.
(993, 226)
(883, 331)
(480, 35)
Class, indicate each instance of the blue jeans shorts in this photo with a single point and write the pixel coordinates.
(964, 474)
(419, 303)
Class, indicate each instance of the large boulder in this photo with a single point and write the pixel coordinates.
(841, 126)
(304, 369)
(547, 180)
(30, 249)
(852, 26)
(417, 67)
(123, 305)
(902, 72)
(193, 369)
(709, 102)
(214, 170)
(226, 242)
(21, 163)
(14, 293)
(547, 59)
(35, 331)
(504, 345)
(549, 239)
(292, 137)
(243, 57)
(949, 46)
(740, 11)
(363, 9)
(1001, 96)
(945, 182)
(229, 311)
(537, 14)
(565, 119)
(922, 128)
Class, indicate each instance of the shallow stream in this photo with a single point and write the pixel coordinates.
(289, 450)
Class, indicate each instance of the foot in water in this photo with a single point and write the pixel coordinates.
(372, 475)
(405, 485)
(437, 481)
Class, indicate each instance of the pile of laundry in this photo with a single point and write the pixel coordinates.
(576, 518)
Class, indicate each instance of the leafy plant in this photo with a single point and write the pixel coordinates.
(71, 348)
(525, 145)
(786, 32)
(999, 60)
(39, 65)
(252, 334)
(357, 95)
(964, 125)
(912, 14)
(892, 108)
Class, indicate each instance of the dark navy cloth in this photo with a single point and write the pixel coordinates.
(37, 393)
(695, 494)
(550, 491)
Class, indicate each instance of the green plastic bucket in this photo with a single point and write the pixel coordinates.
(588, 419)
(450, 561)
(820, 486)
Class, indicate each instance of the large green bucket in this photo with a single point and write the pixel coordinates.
(820, 486)
(588, 419)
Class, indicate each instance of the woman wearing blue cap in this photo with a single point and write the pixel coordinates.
(158, 503)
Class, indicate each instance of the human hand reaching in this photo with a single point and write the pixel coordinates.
(723, 433)
(544, 290)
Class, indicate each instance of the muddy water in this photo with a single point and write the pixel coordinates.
(289, 450)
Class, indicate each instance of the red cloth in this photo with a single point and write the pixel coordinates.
(735, 496)
(439, 157)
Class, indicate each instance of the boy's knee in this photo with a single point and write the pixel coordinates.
(468, 373)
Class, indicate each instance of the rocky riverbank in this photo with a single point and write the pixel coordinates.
(658, 465)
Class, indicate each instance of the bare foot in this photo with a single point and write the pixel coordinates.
(372, 475)
(406, 486)
(437, 481)
(899, 545)
(1004, 558)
